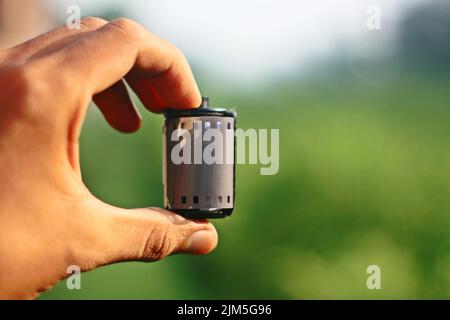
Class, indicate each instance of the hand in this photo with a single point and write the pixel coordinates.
(48, 218)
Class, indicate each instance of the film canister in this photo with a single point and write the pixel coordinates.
(199, 161)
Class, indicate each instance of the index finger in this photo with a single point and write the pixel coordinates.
(100, 58)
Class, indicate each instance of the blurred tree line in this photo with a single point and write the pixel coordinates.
(425, 37)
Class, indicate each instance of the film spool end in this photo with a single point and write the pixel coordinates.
(205, 102)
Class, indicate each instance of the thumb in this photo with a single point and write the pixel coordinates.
(114, 235)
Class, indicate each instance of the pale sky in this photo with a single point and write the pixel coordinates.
(254, 38)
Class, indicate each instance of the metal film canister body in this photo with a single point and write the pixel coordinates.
(199, 188)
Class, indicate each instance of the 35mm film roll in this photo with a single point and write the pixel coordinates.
(199, 161)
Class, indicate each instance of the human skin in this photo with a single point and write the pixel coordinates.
(48, 218)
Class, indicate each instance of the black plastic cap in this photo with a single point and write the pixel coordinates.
(201, 111)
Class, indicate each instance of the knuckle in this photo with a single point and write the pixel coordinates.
(128, 26)
(92, 23)
(160, 243)
(17, 76)
(21, 83)
(19, 79)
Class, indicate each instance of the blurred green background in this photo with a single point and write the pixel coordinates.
(364, 178)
